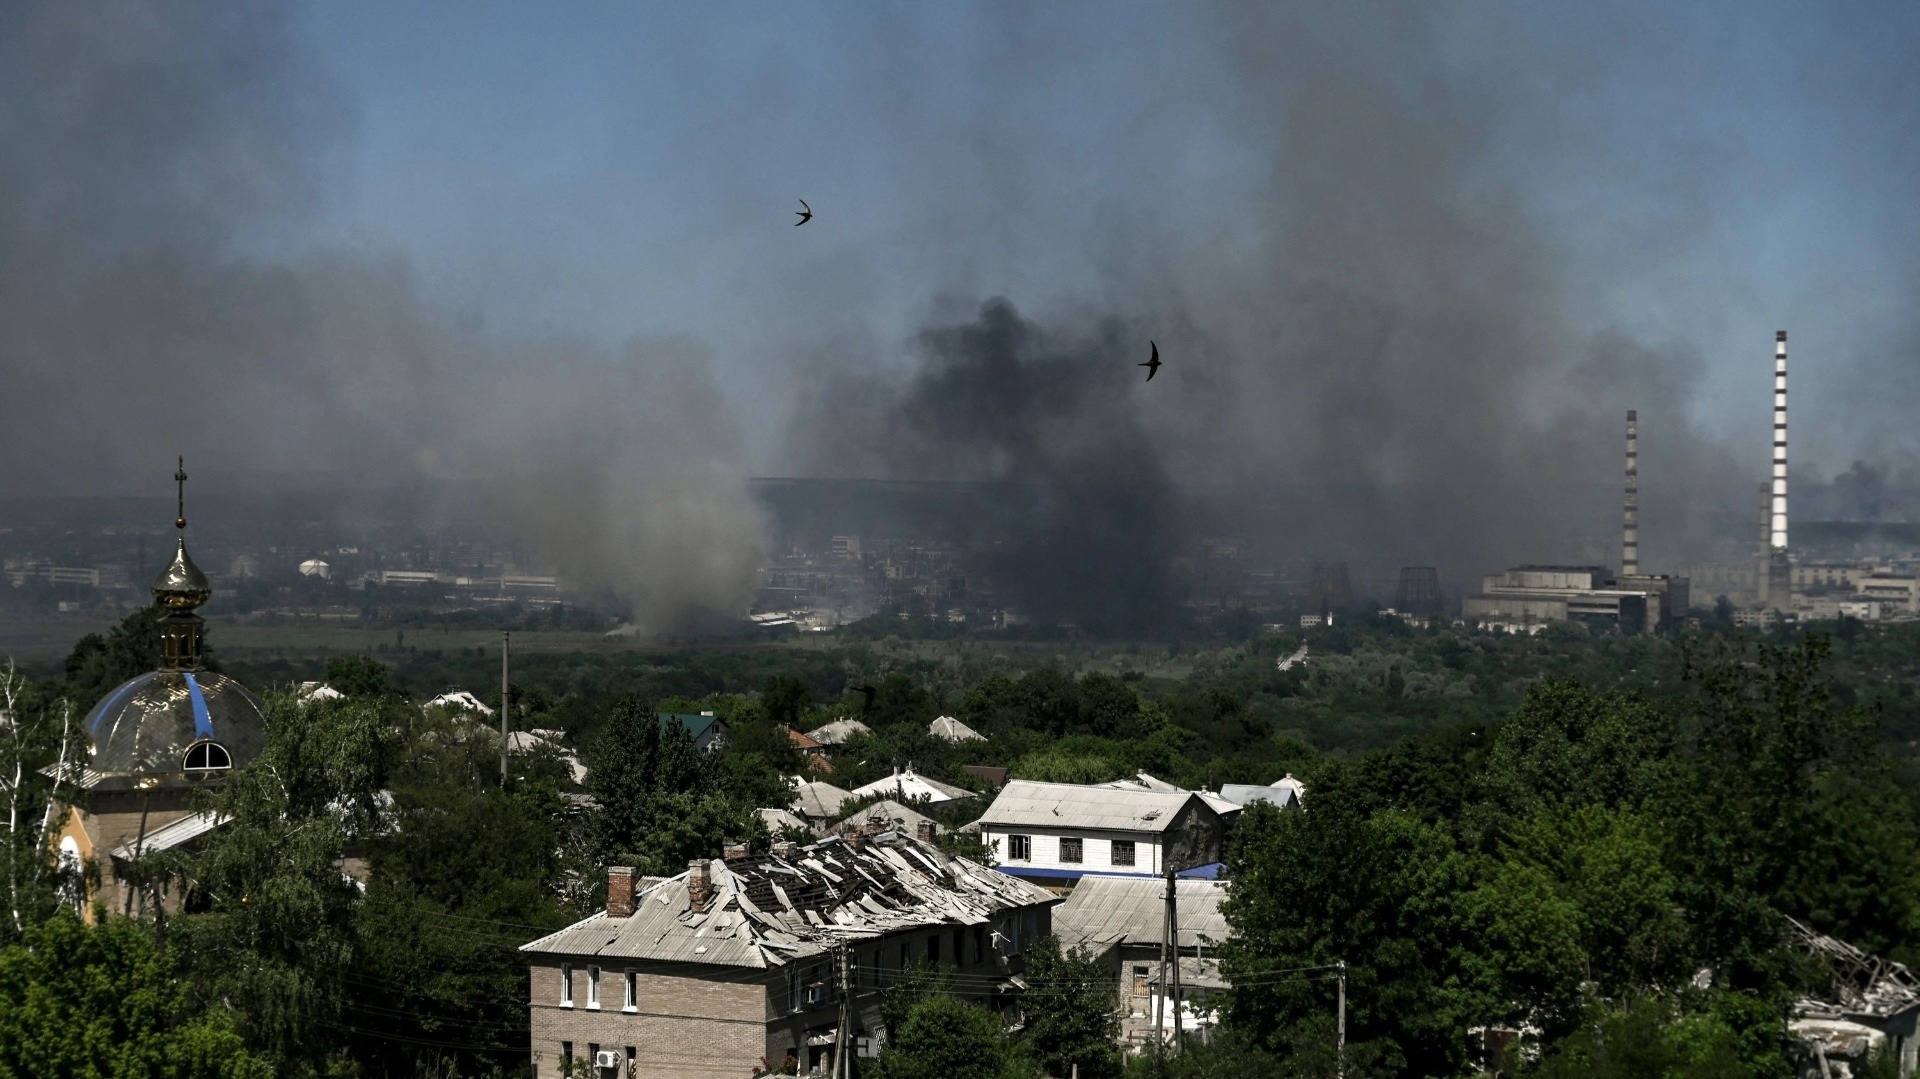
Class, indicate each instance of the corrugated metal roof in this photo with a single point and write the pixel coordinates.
(839, 731)
(896, 817)
(171, 835)
(777, 819)
(954, 731)
(816, 799)
(1133, 910)
(906, 784)
(1026, 803)
(767, 911)
(1245, 794)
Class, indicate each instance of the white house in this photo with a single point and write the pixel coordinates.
(954, 731)
(1059, 832)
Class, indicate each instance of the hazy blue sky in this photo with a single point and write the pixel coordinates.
(1705, 172)
(1420, 245)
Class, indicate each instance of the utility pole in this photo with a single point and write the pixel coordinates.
(504, 635)
(1173, 938)
(1166, 981)
(843, 1035)
(1340, 1052)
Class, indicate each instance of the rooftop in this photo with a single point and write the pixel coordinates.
(1104, 911)
(770, 911)
(1028, 803)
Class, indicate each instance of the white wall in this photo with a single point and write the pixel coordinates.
(1096, 850)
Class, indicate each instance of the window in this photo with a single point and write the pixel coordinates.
(593, 1054)
(1070, 850)
(880, 967)
(632, 1052)
(632, 999)
(933, 949)
(1140, 975)
(1019, 848)
(959, 946)
(566, 1055)
(979, 943)
(566, 988)
(1123, 852)
(593, 987)
(205, 757)
(793, 988)
(906, 956)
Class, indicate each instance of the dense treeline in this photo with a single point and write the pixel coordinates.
(1589, 838)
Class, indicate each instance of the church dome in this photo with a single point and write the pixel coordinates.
(173, 724)
(181, 721)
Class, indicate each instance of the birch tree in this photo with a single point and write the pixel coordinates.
(33, 734)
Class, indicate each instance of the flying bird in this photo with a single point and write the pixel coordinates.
(1152, 365)
(805, 215)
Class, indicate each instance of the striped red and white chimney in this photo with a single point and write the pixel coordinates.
(1779, 530)
(1630, 511)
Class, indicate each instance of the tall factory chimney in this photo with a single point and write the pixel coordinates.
(1764, 553)
(1630, 510)
(1779, 569)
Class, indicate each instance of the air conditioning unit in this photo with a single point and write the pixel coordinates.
(606, 1059)
(816, 993)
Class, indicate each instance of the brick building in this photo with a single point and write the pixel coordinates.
(728, 968)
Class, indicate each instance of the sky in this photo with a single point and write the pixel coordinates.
(1716, 171)
(1441, 245)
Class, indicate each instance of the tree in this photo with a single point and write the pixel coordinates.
(274, 941)
(945, 1038)
(359, 676)
(660, 802)
(105, 1001)
(1382, 892)
(1072, 1010)
(467, 873)
(30, 740)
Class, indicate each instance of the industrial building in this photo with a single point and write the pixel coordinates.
(1528, 596)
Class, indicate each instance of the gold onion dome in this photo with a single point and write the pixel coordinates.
(181, 722)
(181, 586)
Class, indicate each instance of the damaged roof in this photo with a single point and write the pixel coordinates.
(1863, 983)
(768, 911)
(1104, 911)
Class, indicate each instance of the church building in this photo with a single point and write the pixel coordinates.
(154, 741)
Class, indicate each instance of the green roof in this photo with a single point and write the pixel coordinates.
(696, 725)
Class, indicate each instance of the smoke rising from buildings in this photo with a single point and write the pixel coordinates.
(151, 147)
(1408, 264)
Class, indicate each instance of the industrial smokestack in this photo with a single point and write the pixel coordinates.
(1630, 510)
(1779, 538)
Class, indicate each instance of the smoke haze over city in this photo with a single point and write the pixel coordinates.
(1409, 263)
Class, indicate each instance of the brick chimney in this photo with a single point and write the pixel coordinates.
(924, 831)
(699, 888)
(855, 840)
(783, 849)
(619, 891)
(734, 852)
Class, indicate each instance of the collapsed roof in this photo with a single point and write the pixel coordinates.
(771, 910)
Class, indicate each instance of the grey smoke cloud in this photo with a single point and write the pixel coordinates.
(150, 147)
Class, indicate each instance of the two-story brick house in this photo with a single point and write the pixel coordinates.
(1056, 833)
(736, 964)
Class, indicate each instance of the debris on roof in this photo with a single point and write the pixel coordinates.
(1104, 911)
(797, 903)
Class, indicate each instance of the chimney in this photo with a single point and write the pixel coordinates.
(1766, 533)
(619, 891)
(924, 831)
(855, 839)
(1779, 568)
(1630, 511)
(783, 849)
(699, 889)
(1779, 538)
(734, 852)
